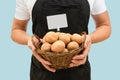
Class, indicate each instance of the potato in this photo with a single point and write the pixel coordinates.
(72, 45)
(77, 38)
(64, 37)
(46, 46)
(65, 50)
(50, 37)
(58, 46)
(69, 35)
(58, 33)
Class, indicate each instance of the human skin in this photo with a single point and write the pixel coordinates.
(102, 32)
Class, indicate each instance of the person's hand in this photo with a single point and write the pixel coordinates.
(32, 46)
(81, 58)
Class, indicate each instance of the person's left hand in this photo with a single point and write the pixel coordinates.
(81, 58)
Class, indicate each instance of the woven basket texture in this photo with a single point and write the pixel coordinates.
(63, 59)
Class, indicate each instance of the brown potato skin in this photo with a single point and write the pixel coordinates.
(72, 45)
(50, 37)
(77, 38)
(46, 46)
(64, 37)
(58, 46)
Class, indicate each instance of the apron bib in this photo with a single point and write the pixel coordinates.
(70, 16)
(77, 13)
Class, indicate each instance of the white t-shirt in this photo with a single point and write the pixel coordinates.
(24, 8)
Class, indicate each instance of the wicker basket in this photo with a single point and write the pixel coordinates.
(61, 60)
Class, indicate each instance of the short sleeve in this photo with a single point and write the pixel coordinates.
(99, 6)
(21, 12)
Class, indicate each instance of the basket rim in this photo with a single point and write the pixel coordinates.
(60, 53)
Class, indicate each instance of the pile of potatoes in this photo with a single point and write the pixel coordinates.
(58, 42)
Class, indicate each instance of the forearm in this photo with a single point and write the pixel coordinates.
(103, 27)
(20, 36)
(101, 33)
(18, 33)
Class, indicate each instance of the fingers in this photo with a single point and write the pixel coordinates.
(75, 63)
(86, 51)
(33, 42)
(40, 59)
(78, 60)
(49, 68)
(45, 63)
(81, 58)
(77, 57)
(83, 55)
(30, 44)
(87, 41)
(36, 41)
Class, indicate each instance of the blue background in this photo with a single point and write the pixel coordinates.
(15, 59)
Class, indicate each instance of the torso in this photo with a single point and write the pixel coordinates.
(30, 4)
(77, 16)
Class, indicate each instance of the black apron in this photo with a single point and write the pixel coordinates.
(77, 12)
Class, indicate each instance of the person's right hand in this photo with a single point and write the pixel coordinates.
(32, 43)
